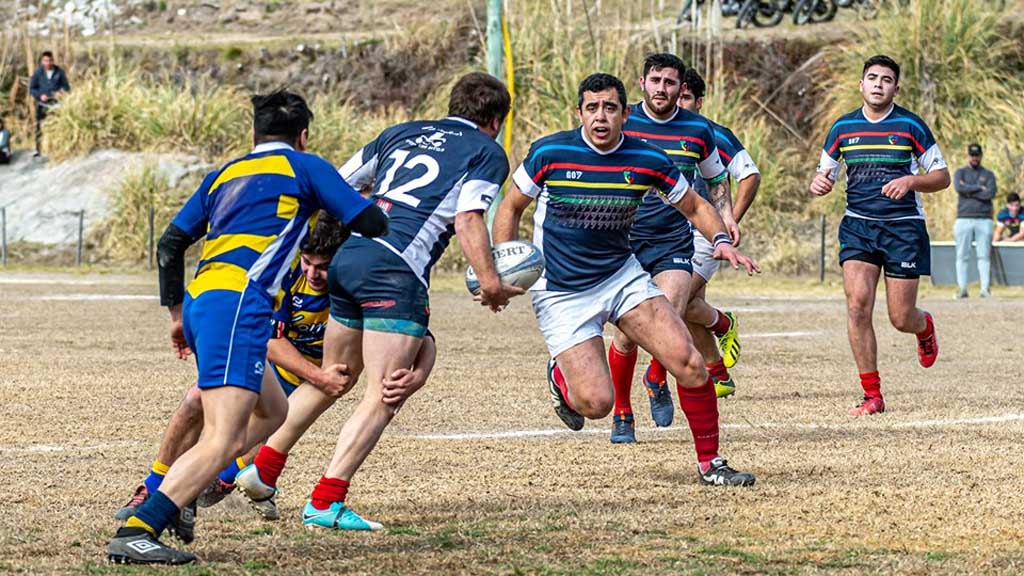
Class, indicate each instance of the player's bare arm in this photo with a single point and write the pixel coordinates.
(509, 214)
(708, 222)
(721, 198)
(333, 380)
(746, 191)
(404, 382)
(471, 230)
(933, 181)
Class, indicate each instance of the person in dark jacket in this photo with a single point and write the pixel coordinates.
(48, 83)
(976, 186)
(5, 144)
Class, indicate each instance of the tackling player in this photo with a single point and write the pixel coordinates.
(433, 178)
(891, 158)
(254, 212)
(661, 238)
(706, 322)
(590, 183)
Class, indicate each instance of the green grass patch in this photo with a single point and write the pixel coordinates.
(403, 531)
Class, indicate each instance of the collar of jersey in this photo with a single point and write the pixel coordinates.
(586, 141)
(271, 146)
(469, 123)
(643, 106)
(884, 116)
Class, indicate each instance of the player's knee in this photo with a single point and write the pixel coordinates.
(623, 343)
(594, 406)
(689, 369)
(902, 321)
(192, 405)
(858, 311)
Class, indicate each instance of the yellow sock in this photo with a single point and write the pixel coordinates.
(160, 468)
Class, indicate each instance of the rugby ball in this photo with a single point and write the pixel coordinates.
(518, 263)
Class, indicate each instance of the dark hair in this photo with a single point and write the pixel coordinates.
(45, 54)
(600, 82)
(326, 236)
(279, 116)
(480, 98)
(1012, 197)
(695, 83)
(882, 60)
(664, 60)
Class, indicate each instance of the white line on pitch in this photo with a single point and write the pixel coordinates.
(796, 334)
(777, 425)
(92, 297)
(47, 448)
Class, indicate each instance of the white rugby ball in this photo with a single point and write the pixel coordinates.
(518, 263)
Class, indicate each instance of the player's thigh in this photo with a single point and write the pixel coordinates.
(384, 353)
(656, 327)
(860, 280)
(675, 284)
(586, 370)
(901, 296)
(272, 402)
(226, 412)
(343, 344)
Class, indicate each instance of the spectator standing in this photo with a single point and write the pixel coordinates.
(976, 187)
(1008, 221)
(5, 144)
(48, 83)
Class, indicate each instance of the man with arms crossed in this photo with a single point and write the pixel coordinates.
(590, 183)
(891, 158)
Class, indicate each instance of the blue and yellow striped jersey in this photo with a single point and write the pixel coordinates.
(302, 318)
(255, 212)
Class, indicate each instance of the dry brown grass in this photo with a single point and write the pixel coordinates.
(88, 385)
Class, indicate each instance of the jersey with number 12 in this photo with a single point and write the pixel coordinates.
(423, 173)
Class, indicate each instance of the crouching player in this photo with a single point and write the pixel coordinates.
(254, 212)
(433, 178)
(589, 183)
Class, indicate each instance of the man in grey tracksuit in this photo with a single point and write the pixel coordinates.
(976, 187)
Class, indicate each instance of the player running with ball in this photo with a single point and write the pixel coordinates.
(891, 159)
(589, 183)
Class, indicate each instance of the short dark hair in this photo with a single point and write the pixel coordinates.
(882, 60)
(1012, 197)
(45, 54)
(600, 82)
(664, 60)
(279, 116)
(480, 98)
(325, 238)
(695, 83)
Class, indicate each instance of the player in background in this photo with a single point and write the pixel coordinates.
(293, 353)
(589, 184)
(891, 159)
(254, 213)
(707, 323)
(661, 238)
(434, 179)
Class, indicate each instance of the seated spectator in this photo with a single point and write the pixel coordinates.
(5, 144)
(1008, 221)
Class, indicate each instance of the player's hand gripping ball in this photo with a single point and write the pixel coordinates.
(518, 263)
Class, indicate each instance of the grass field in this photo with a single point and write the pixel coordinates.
(477, 475)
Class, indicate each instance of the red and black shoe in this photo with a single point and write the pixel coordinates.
(129, 509)
(928, 347)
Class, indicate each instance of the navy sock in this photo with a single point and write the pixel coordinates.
(227, 476)
(155, 514)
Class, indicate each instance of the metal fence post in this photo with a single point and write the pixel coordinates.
(152, 215)
(821, 261)
(81, 237)
(3, 235)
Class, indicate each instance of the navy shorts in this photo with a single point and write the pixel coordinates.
(900, 247)
(372, 288)
(674, 252)
(228, 332)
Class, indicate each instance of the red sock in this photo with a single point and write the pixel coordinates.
(269, 464)
(622, 367)
(718, 371)
(561, 383)
(721, 324)
(929, 328)
(656, 372)
(701, 408)
(328, 491)
(871, 384)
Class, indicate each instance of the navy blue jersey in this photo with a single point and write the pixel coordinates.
(689, 141)
(875, 153)
(255, 211)
(1011, 221)
(423, 173)
(587, 203)
(737, 160)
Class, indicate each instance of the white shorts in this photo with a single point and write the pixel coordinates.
(703, 263)
(569, 318)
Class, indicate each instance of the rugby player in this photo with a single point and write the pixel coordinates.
(293, 353)
(891, 159)
(661, 238)
(254, 212)
(434, 179)
(707, 323)
(590, 183)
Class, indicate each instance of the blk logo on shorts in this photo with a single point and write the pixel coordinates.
(680, 260)
(909, 265)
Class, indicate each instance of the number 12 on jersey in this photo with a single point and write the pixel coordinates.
(401, 193)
